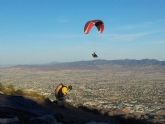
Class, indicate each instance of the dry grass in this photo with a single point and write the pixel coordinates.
(10, 90)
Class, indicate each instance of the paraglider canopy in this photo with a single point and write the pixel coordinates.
(89, 25)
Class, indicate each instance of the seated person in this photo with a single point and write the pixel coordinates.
(61, 91)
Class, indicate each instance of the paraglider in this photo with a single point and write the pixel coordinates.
(89, 25)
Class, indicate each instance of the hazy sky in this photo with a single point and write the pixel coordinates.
(41, 31)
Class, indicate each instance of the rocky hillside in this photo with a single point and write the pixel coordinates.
(18, 109)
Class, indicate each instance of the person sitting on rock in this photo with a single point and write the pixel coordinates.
(61, 92)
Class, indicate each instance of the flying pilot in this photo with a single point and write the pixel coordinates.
(94, 55)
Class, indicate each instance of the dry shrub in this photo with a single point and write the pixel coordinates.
(18, 92)
(10, 90)
(34, 95)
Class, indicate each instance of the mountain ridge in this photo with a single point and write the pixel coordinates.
(101, 62)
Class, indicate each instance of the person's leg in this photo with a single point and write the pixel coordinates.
(61, 101)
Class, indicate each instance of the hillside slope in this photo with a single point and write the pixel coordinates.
(21, 110)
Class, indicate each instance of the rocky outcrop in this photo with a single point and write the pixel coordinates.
(20, 110)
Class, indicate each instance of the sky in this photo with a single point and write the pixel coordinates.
(43, 31)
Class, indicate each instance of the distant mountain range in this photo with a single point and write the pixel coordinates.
(95, 64)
